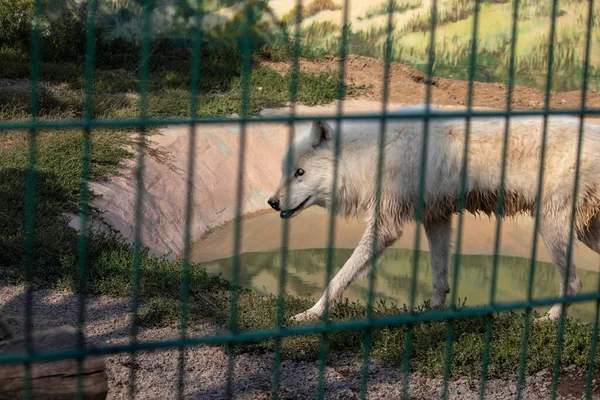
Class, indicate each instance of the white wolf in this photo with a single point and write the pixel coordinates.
(310, 179)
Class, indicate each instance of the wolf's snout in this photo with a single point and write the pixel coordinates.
(274, 203)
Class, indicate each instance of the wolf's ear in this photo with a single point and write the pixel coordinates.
(321, 133)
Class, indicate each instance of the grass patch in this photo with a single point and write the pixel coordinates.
(428, 351)
(57, 189)
(116, 93)
(267, 89)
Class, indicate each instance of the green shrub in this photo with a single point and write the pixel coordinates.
(15, 23)
(61, 27)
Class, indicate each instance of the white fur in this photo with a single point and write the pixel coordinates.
(314, 152)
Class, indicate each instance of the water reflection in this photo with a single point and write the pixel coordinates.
(306, 276)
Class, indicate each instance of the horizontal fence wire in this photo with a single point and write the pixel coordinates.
(332, 326)
(308, 117)
(233, 336)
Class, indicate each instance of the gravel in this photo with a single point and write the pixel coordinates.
(205, 368)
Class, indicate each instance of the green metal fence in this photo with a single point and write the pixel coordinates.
(87, 123)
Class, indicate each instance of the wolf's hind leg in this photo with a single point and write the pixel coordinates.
(555, 231)
(438, 232)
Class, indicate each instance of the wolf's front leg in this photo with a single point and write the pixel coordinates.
(357, 265)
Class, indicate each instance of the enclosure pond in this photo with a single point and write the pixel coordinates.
(261, 260)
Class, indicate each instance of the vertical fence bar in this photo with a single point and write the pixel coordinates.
(500, 204)
(333, 208)
(246, 58)
(367, 336)
(137, 246)
(195, 66)
(30, 262)
(527, 318)
(285, 228)
(584, 84)
(593, 349)
(594, 344)
(84, 191)
(461, 203)
(421, 199)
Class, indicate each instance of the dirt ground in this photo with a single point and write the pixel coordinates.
(205, 367)
(407, 86)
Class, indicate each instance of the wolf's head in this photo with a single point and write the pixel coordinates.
(307, 172)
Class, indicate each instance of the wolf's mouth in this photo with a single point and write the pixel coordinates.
(290, 213)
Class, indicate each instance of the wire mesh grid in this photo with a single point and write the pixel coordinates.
(326, 326)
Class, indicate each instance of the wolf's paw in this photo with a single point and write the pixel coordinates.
(542, 320)
(305, 316)
(551, 316)
(436, 305)
(547, 318)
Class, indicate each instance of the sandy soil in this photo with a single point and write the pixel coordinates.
(407, 86)
(156, 373)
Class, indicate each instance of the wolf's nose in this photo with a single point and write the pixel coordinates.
(274, 203)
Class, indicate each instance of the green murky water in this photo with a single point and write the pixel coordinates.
(306, 276)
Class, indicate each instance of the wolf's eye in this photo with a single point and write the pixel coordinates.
(299, 172)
